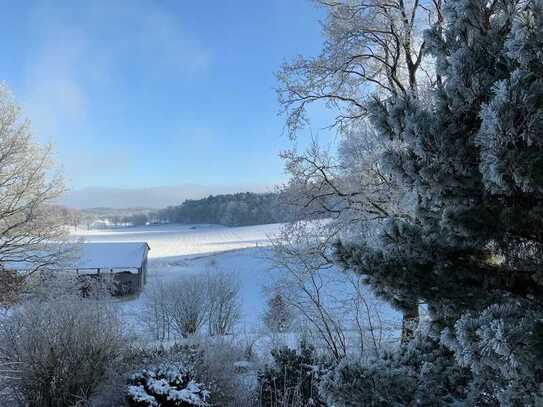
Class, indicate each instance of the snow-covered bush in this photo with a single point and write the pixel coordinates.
(217, 364)
(378, 384)
(178, 308)
(165, 386)
(223, 301)
(58, 351)
(184, 307)
(421, 372)
(212, 361)
(293, 379)
(113, 390)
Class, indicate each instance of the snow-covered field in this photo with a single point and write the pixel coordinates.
(178, 250)
(186, 240)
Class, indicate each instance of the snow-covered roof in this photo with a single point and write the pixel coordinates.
(93, 256)
(112, 255)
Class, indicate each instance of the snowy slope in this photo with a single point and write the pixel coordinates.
(178, 240)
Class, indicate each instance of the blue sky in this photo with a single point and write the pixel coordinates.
(156, 93)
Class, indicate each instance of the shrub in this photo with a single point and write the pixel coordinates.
(294, 378)
(156, 312)
(59, 351)
(224, 303)
(113, 390)
(376, 384)
(187, 305)
(217, 364)
(212, 361)
(178, 307)
(181, 308)
(420, 372)
(165, 386)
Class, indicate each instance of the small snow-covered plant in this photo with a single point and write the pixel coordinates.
(168, 385)
(213, 361)
(278, 316)
(293, 379)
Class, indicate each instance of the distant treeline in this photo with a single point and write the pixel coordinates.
(239, 209)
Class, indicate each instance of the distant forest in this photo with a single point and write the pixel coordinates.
(230, 210)
(240, 209)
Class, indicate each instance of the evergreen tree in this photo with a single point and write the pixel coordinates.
(278, 317)
(472, 156)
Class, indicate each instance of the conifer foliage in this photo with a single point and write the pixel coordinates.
(473, 157)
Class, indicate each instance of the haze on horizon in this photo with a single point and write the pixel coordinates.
(140, 97)
(151, 197)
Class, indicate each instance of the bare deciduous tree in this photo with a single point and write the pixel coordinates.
(28, 218)
(372, 50)
(302, 257)
(371, 47)
(348, 186)
(333, 305)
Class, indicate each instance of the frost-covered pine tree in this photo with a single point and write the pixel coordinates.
(472, 157)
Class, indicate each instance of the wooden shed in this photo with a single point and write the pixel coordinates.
(125, 262)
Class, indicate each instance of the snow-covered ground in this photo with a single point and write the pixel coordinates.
(185, 240)
(178, 250)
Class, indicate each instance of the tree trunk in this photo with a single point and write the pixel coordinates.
(410, 322)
